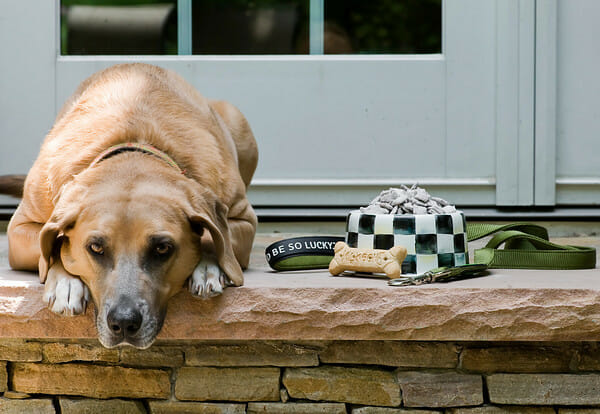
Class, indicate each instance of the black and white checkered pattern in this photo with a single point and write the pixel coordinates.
(432, 240)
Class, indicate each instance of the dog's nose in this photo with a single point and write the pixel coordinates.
(124, 318)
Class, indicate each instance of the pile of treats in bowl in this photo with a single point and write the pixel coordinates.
(405, 200)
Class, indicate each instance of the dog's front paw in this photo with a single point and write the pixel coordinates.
(208, 280)
(65, 294)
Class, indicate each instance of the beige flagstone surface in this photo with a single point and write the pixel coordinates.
(506, 305)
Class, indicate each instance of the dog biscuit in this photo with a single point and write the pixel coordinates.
(367, 260)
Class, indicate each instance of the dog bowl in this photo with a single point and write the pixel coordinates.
(431, 240)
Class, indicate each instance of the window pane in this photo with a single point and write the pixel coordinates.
(383, 26)
(118, 27)
(234, 27)
(242, 27)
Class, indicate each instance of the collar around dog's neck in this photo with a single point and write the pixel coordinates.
(136, 146)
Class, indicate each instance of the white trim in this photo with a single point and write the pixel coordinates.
(379, 182)
(250, 58)
(336, 193)
(515, 46)
(578, 181)
(184, 27)
(545, 102)
(317, 27)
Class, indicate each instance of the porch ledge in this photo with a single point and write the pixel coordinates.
(517, 305)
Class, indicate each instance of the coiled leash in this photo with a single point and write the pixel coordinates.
(526, 246)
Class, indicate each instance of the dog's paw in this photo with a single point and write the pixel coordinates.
(208, 280)
(65, 294)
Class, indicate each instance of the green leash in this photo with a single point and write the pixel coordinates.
(527, 247)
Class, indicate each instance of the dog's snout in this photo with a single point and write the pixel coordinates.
(124, 319)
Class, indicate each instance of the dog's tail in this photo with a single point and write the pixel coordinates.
(12, 185)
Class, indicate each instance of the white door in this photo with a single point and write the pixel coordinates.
(333, 130)
(568, 117)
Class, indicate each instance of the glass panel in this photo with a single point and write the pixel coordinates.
(383, 26)
(234, 27)
(242, 27)
(118, 27)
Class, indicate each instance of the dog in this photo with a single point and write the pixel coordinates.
(139, 186)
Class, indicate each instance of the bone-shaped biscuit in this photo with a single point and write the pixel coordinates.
(367, 260)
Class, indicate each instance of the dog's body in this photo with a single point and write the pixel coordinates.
(129, 224)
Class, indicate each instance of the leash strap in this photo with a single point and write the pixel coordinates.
(527, 247)
(302, 253)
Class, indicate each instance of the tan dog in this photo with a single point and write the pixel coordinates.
(125, 223)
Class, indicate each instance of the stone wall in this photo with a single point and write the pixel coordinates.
(360, 377)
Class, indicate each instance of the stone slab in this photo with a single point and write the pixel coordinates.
(544, 389)
(502, 410)
(227, 384)
(18, 350)
(450, 389)
(38, 406)
(14, 395)
(59, 352)
(589, 357)
(507, 305)
(179, 407)
(518, 359)
(252, 354)
(90, 406)
(155, 356)
(3, 377)
(296, 408)
(395, 354)
(384, 410)
(89, 381)
(339, 384)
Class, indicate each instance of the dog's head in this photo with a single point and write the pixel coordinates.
(134, 242)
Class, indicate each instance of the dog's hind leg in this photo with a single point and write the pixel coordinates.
(245, 144)
(242, 228)
(64, 293)
(23, 241)
(24, 246)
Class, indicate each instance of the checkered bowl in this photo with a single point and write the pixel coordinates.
(431, 240)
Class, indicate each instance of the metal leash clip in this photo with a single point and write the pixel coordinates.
(441, 274)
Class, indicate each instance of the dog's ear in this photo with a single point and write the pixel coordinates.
(208, 212)
(51, 237)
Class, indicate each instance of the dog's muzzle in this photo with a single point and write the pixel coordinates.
(124, 319)
(128, 322)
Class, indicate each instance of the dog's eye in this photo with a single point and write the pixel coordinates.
(96, 248)
(162, 249)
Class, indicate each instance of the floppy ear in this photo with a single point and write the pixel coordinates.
(211, 214)
(51, 237)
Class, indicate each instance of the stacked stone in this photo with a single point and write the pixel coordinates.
(365, 377)
(405, 200)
